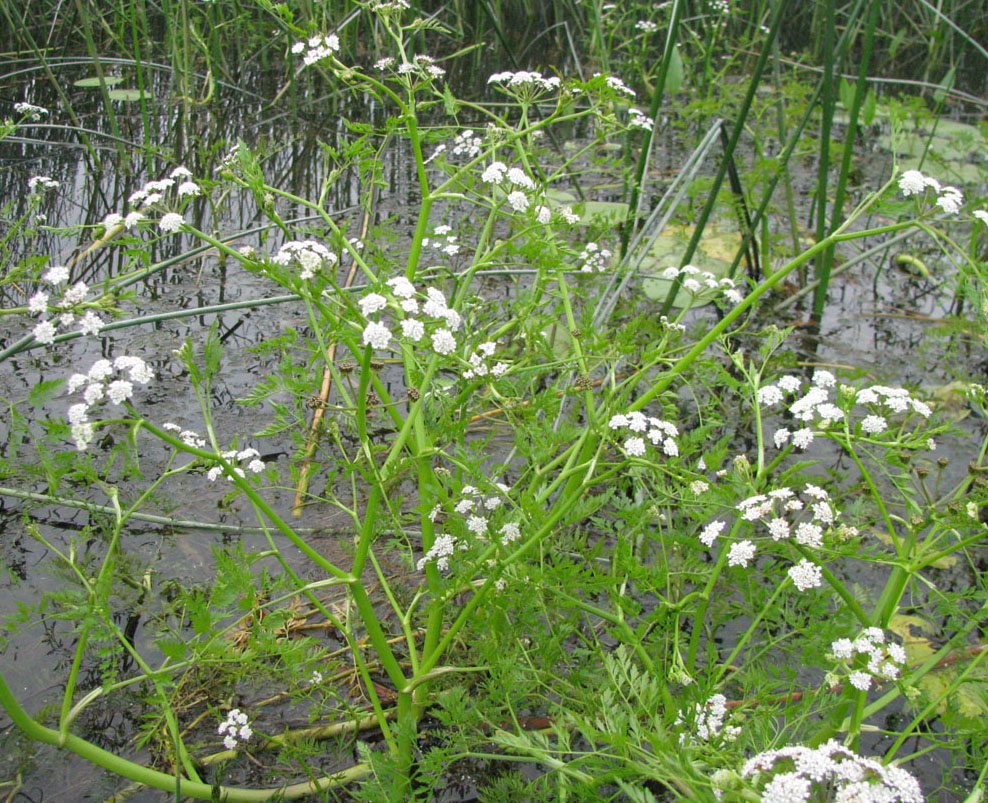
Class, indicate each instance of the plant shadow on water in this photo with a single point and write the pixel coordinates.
(471, 488)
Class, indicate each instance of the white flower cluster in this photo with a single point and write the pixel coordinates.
(815, 405)
(421, 66)
(981, 215)
(187, 436)
(234, 729)
(251, 456)
(913, 182)
(44, 182)
(616, 84)
(317, 48)
(45, 330)
(638, 119)
(593, 259)
(476, 508)
(443, 240)
(389, 6)
(700, 282)
(99, 386)
(708, 723)
(466, 144)
(444, 320)
(308, 255)
(720, 6)
(884, 658)
(796, 774)
(777, 510)
(646, 26)
(480, 362)
(524, 84)
(153, 193)
(30, 111)
(659, 432)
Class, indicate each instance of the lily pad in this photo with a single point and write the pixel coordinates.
(952, 144)
(714, 254)
(559, 339)
(108, 80)
(128, 94)
(598, 212)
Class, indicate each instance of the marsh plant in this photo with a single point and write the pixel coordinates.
(621, 547)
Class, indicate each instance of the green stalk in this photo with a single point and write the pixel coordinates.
(159, 780)
(631, 222)
(739, 125)
(827, 260)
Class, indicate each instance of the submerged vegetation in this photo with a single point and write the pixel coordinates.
(449, 401)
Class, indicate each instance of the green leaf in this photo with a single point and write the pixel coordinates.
(128, 94)
(869, 107)
(846, 94)
(674, 78)
(108, 80)
(44, 392)
(175, 650)
(940, 94)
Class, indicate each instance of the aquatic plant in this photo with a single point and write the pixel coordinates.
(595, 537)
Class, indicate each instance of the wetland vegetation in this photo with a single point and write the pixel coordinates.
(496, 401)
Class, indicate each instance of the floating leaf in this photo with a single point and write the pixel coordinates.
(559, 339)
(128, 94)
(714, 254)
(108, 80)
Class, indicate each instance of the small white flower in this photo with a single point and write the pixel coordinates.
(981, 215)
(823, 379)
(860, 680)
(769, 395)
(93, 393)
(781, 438)
(82, 434)
(413, 329)
(371, 303)
(443, 341)
(518, 177)
(873, 424)
(710, 533)
(951, 200)
(912, 182)
(635, 447)
(806, 575)
(401, 287)
(44, 332)
(91, 323)
(133, 219)
(189, 188)
(30, 111)
(802, 438)
(495, 173)
(809, 534)
(518, 200)
(78, 413)
(57, 274)
(741, 553)
(38, 303)
(119, 391)
(376, 335)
